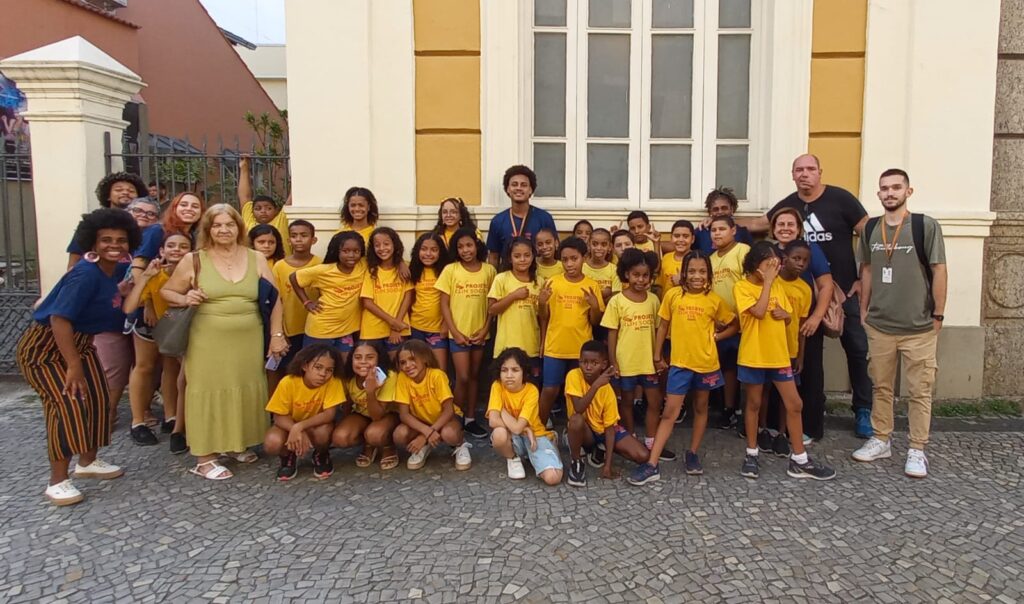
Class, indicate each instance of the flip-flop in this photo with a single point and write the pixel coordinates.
(218, 472)
(363, 460)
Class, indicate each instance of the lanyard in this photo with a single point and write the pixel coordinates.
(522, 225)
(895, 239)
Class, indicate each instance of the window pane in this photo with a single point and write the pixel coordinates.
(672, 13)
(733, 86)
(607, 171)
(670, 171)
(671, 86)
(549, 164)
(549, 84)
(733, 13)
(549, 12)
(608, 85)
(609, 13)
(731, 168)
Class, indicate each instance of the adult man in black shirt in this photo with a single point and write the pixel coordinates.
(831, 216)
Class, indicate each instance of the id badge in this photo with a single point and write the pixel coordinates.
(886, 274)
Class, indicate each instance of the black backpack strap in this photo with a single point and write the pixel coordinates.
(917, 230)
(870, 228)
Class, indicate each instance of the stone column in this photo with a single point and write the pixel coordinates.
(76, 93)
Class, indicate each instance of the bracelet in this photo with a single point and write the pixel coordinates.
(279, 334)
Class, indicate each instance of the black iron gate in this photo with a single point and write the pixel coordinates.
(19, 259)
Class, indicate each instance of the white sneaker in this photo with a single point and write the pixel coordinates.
(463, 460)
(418, 459)
(64, 493)
(515, 468)
(873, 449)
(917, 464)
(98, 469)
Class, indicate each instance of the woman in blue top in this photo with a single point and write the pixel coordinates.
(57, 358)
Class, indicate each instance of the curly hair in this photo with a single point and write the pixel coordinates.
(465, 217)
(518, 355)
(311, 353)
(333, 254)
(372, 213)
(383, 360)
(635, 257)
(416, 265)
(373, 261)
(722, 192)
(106, 218)
(519, 170)
(107, 183)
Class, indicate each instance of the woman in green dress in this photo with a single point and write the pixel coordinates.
(226, 388)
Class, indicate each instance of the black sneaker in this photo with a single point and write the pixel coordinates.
(289, 467)
(596, 457)
(178, 444)
(693, 467)
(682, 416)
(750, 468)
(143, 436)
(474, 429)
(780, 445)
(811, 469)
(764, 441)
(667, 455)
(727, 420)
(167, 427)
(323, 467)
(577, 473)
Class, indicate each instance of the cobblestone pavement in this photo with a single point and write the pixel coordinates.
(872, 535)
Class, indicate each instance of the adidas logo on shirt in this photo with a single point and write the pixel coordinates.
(813, 231)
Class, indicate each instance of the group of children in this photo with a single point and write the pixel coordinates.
(605, 317)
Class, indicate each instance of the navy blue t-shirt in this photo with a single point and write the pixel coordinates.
(704, 244)
(152, 241)
(499, 234)
(87, 297)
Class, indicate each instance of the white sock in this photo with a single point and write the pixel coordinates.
(138, 424)
(648, 442)
(171, 419)
(752, 451)
(800, 459)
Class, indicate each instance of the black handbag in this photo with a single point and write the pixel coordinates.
(171, 331)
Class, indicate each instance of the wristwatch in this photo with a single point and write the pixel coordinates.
(939, 318)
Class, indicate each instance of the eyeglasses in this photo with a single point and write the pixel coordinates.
(146, 213)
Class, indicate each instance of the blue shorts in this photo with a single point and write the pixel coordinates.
(728, 352)
(796, 376)
(432, 338)
(546, 456)
(682, 380)
(386, 345)
(620, 433)
(628, 383)
(453, 347)
(754, 375)
(554, 370)
(342, 344)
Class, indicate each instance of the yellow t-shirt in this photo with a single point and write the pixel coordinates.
(547, 272)
(522, 404)
(387, 292)
(425, 313)
(692, 328)
(518, 326)
(569, 316)
(426, 398)
(292, 397)
(366, 231)
(636, 324)
(151, 293)
(799, 295)
(764, 344)
(603, 410)
(294, 312)
(604, 276)
(339, 296)
(357, 394)
(447, 235)
(646, 246)
(728, 270)
(467, 294)
(670, 267)
(280, 222)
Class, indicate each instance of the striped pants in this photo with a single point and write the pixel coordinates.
(73, 425)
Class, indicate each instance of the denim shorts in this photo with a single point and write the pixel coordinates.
(546, 456)
(728, 352)
(628, 383)
(453, 347)
(754, 375)
(554, 370)
(432, 338)
(386, 345)
(682, 380)
(342, 344)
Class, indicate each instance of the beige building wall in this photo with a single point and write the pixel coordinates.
(269, 66)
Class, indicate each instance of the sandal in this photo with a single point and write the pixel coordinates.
(242, 457)
(389, 462)
(363, 460)
(216, 472)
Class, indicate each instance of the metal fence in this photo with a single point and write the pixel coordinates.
(19, 258)
(210, 171)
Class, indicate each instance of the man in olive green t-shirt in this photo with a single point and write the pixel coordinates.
(903, 311)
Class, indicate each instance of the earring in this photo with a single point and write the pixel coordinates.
(91, 256)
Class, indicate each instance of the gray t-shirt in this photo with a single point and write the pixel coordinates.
(903, 306)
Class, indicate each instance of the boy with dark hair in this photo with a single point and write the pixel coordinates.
(301, 237)
(260, 209)
(720, 202)
(521, 219)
